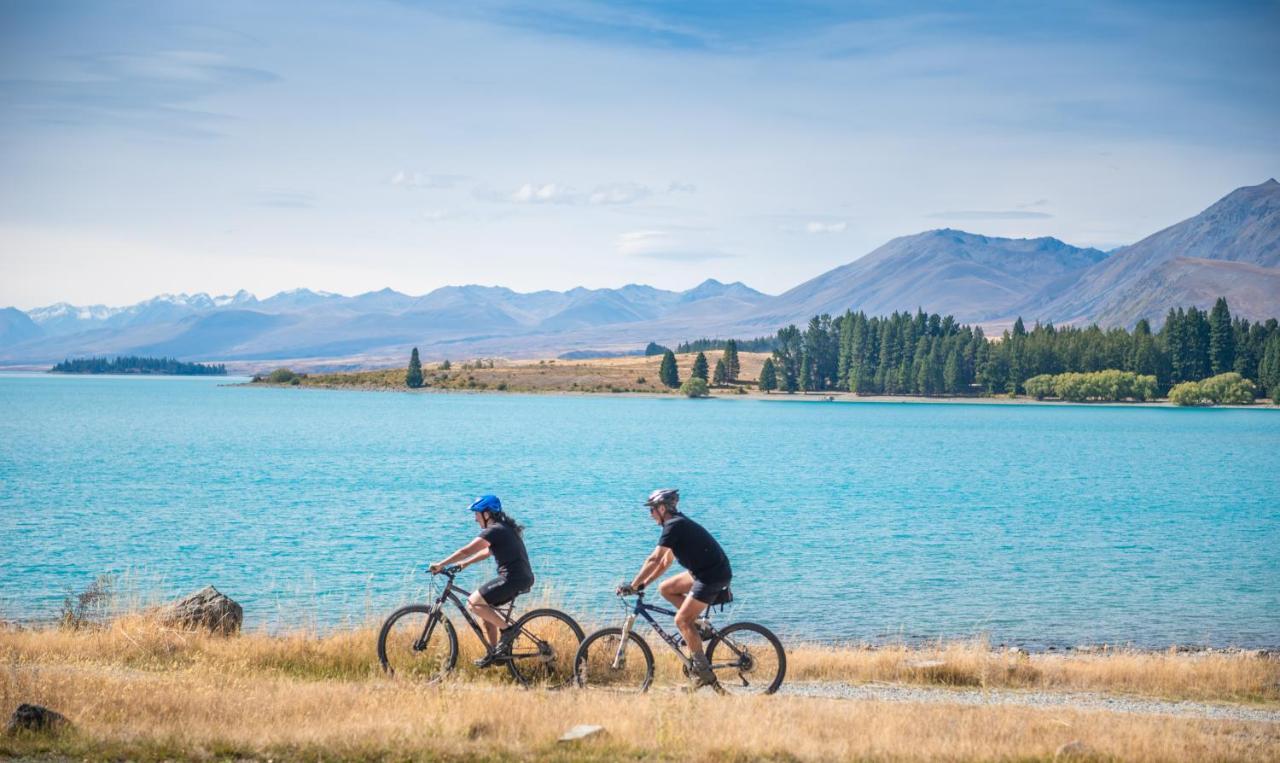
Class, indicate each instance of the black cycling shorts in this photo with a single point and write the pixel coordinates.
(706, 592)
(501, 591)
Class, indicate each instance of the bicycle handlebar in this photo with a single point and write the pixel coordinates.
(449, 571)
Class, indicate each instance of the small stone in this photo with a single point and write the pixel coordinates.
(35, 718)
(581, 732)
(1073, 750)
(206, 609)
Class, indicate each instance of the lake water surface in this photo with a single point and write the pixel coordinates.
(1040, 525)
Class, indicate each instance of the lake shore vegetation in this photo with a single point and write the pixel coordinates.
(133, 364)
(902, 356)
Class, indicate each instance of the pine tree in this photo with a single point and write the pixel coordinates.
(951, 380)
(413, 377)
(668, 374)
(700, 366)
(1269, 368)
(731, 365)
(720, 376)
(768, 376)
(1222, 344)
(806, 378)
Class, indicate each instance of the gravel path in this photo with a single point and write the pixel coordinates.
(1041, 699)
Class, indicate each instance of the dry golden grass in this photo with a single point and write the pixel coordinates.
(136, 690)
(617, 375)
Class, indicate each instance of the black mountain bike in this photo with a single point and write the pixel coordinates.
(745, 657)
(419, 642)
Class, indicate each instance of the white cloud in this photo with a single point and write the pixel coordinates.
(993, 214)
(410, 179)
(618, 193)
(549, 193)
(606, 194)
(677, 187)
(815, 226)
(661, 245)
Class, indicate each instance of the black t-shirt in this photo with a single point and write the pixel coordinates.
(508, 551)
(695, 549)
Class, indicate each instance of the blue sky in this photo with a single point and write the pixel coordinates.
(153, 147)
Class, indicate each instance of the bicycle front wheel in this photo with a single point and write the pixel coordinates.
(600, 665)
(542, 653)
(747, 659)
(417, 644)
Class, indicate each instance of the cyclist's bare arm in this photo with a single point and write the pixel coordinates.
(485, 553)
(466, 552)
(655, 565)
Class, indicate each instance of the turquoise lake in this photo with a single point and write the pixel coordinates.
(1037, 525)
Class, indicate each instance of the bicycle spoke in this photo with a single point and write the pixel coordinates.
(542, 653)
(747, 658)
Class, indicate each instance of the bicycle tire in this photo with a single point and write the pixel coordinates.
(731, 677)
(434, 621)
(603, 658)
(549, 663)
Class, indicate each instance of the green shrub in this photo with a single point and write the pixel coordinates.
(1104, 386)
(1189, 393)
(282, 376)
(1040, 386)
(1229, 389)
(695, 386)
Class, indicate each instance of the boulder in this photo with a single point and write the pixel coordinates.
(1075, 750)
(206, 609)
(581, 732)
(35, 718)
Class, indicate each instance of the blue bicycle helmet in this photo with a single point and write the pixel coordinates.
(489, 503)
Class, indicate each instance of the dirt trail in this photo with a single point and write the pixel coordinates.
(883, 692)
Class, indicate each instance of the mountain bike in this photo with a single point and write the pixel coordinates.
(419, 641)
(745, 657)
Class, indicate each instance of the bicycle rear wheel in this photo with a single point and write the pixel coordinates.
(594, 665)
(747, 659)
(417, 644)
(542, 654)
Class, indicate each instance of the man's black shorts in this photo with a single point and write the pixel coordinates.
(706, 592)
(500, 591)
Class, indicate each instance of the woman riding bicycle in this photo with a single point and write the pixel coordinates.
(501, 538)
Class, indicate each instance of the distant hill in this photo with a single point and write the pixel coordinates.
(944, 271)
(1232, 249)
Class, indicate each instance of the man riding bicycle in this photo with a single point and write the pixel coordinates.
(707, 573)
(502, 538)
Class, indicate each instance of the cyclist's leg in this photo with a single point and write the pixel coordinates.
(686, 617)
(700, 597)
(493, 593)
(674, 588)
(489, 618)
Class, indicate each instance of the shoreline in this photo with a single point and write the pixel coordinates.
(797, 397)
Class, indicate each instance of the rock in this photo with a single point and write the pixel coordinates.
(35, 718)
(206, 609)
(581, 732)
(1073, 750)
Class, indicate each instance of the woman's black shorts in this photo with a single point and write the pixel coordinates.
(500, 591)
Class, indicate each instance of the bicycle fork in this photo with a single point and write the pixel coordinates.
(620, 658)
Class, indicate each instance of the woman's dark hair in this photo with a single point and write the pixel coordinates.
(507, 520)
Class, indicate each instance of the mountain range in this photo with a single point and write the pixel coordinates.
(1231, 249)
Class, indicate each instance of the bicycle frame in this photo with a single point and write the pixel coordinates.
(452, 592)
(641, 609)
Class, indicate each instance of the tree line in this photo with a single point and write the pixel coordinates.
(133, 364)
(929, 354)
